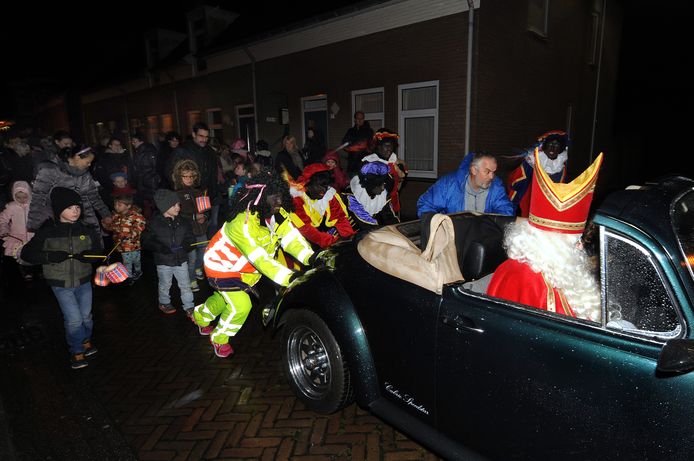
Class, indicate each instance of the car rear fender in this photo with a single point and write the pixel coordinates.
(320, 292)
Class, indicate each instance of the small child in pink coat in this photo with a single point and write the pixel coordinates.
(13, 225)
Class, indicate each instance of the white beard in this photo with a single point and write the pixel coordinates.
(563, 264)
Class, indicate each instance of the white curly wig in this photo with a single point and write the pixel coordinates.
(561, 260)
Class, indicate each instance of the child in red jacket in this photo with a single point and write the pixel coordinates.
(127, 226)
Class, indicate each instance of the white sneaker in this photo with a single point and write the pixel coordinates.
(194, 286)
(199, 274)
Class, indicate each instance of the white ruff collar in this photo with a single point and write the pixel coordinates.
(375, 158)
(371, 205)
(320, 205)
(550, 166)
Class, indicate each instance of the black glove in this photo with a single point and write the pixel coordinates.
(188, 245)
(54, 257)
(294, 276)
(279, 219)
(312, 259)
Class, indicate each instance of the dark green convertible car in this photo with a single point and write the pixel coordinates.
(399, 321)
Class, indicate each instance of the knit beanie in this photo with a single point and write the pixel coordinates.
(118, 174)
(165, 199)
(62, 198)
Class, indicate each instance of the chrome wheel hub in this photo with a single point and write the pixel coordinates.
(309, 363)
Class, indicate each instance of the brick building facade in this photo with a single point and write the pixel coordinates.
(534, 67)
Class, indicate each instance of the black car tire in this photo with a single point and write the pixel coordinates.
(313, 364)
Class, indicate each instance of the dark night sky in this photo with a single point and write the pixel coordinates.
(51, 50)
(654, 92)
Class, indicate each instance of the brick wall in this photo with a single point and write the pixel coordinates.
(522, 83)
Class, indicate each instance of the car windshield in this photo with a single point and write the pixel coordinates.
(683, 221)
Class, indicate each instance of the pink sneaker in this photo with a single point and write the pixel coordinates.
(222, 350)
(206, 331)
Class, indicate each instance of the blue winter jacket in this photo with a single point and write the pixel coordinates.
(447, 195)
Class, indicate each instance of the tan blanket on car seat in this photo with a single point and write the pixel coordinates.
(391, 252)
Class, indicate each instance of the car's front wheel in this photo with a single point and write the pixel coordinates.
(313, 363)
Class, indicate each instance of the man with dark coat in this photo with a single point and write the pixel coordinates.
(361, 131)
(357, 139)
(146, 177)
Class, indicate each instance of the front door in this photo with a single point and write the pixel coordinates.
(315, 114)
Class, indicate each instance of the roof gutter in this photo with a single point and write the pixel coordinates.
(255, 99)
(597, 83)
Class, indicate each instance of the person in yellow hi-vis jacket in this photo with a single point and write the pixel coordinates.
(244, 250)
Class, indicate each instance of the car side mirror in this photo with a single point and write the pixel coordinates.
(676, 356)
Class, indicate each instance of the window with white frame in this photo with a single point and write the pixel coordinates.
(418, 105)
(370, 101)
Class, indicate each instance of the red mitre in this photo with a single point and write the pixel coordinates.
(560, 207)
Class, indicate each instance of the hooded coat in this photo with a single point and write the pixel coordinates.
(13, 221)
(340, 179)
(58, 173)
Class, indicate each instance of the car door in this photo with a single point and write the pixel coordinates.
(399, 319)
(516, 382)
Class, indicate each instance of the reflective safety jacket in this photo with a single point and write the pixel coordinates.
(244, 249)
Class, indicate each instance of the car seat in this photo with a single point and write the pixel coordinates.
(478, 241)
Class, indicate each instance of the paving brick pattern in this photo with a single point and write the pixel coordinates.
(172, 399)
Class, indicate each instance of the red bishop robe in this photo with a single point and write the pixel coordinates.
(516, 281)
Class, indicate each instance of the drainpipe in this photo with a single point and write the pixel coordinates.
(178, 118)
(255, 99)
(175, 100)
(127, 121)
(468, 86)
(597, 83)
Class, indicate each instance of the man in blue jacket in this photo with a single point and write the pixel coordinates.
(474, 187)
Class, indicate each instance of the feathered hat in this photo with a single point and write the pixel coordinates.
(310, 170)
(385, 135)
(554, 134)
(558, 207)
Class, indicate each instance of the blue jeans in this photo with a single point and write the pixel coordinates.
(214, 221)
(195, 256)
(165, 275)
(131, 261)
(76, 304)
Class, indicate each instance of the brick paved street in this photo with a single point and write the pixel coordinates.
(155, 391)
